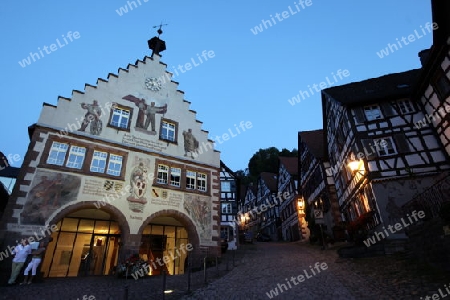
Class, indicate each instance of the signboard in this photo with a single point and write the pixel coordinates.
(318, 216)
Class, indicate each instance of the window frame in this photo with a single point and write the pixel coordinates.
(384, 151)
(111, 114)
(63, 163)
(175, 130)
(76, 155)
(228, 208)
(372, 107)
(88, 156)
(437, 84)
(202, 178)
(405, 102)
(184, 175)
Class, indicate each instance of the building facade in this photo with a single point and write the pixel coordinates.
(229, 195)
(378, 158)
(268, 206)
(115, 171)
(293, 225)
(317, 185)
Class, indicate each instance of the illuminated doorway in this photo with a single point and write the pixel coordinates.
(83, 246)
(161, 246)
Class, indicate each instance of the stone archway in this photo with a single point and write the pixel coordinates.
(99, 260)
(121, 219)
(194, 253)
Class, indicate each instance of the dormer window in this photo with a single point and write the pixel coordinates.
(372, 112)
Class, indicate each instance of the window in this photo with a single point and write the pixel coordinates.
(190, 180)
(175, 176)
(201, 182)
(168, 130)
(100, 162)
(405, 106)
(385, 146)
(441, 85)
(372, 112)
(225, 186)
(120, 118)
(57, 154)
(115, 165)
(76, 157)
(163, 174)
(226, 208)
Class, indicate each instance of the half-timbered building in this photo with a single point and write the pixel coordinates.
(268, 204)
(248, 215)
(378, 157)
(229, 206)
(317, 185)
(291, 220)
(115, 171)
(433, 87)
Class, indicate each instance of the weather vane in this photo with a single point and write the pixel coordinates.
(159, 31)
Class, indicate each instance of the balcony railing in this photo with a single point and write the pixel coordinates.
(431, 199)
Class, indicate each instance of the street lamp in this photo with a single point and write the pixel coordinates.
(357, 166)
(301, 205)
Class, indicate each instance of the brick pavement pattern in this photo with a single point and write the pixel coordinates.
(254, 272)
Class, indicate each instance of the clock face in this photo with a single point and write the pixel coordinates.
(153, 84)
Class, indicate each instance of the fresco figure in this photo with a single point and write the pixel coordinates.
(92, 117)
(190, 143)
(147, 113)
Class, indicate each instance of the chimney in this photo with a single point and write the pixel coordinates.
(423, 55)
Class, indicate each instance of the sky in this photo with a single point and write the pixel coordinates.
(270, 58)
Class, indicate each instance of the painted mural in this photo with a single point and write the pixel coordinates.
(147, 114)
(92, 118)
(49, 191)
(190, 143)
(139, 183)
(199, 208)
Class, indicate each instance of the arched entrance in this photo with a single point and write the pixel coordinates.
(167, 238)
(87, 242)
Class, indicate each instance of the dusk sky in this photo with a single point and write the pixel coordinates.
(265, 54)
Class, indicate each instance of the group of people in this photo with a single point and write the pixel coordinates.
(21, 253)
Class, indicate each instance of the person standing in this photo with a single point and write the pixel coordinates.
(21, 252)
(33, 265)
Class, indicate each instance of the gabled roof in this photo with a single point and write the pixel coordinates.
(228, 170)
(290, 163)
(386, 87)
(314, 140)
(270, 179)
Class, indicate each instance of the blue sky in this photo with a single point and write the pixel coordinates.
(250, 78)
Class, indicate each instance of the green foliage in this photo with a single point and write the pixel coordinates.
(265, 160)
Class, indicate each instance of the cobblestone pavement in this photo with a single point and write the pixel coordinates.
(372, 278)
(254, 271)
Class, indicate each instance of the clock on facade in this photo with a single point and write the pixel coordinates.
(153, 84)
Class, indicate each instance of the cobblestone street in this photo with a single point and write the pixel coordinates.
(371, 278)
(259, 270)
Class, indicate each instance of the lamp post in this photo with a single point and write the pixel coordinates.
(318, 217)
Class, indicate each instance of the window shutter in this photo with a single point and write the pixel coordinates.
(388, 110)
(359, 115)
(401, 143)
(367, 149)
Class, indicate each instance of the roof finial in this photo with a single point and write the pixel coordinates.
(159, 31)
(155, 43)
